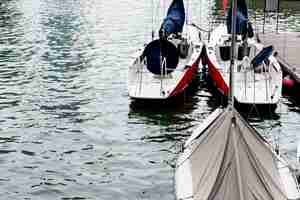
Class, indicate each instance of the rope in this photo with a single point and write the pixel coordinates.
(201, 29)
(163, 72)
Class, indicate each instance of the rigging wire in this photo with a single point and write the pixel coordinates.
(285, 38)
(210, 19)
(157, 14)
(164, 7)
(187, 12)
(152, 20)
(200, 12)
(255, 15)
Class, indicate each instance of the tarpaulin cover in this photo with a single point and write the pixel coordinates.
(174, 21)
(157, 52)
(231, 161)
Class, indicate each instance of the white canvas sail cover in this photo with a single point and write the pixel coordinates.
(230, 161)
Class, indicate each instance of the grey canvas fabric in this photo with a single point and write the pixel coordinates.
(231, 161)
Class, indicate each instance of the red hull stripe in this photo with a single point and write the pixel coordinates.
(217, 77)
(186, 78)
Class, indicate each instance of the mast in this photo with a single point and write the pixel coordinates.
(232, 53)
(231, 96)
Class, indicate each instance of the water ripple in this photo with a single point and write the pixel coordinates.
(68, 128)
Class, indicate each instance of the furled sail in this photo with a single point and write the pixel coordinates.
(161, 55)
(174, 21)
(243, 27)
(230, 161)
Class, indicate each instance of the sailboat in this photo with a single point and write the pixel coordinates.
(168, 64)
(258, 75)
(225, 158)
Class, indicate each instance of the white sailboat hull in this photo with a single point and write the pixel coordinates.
(251, 86)
(142, 84)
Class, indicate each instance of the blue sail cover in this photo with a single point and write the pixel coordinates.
(243, 27)
(162, 50)
(261, 56)
(174, 21)
(157, 50)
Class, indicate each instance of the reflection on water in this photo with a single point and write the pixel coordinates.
(174, 118)
(68, 127)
